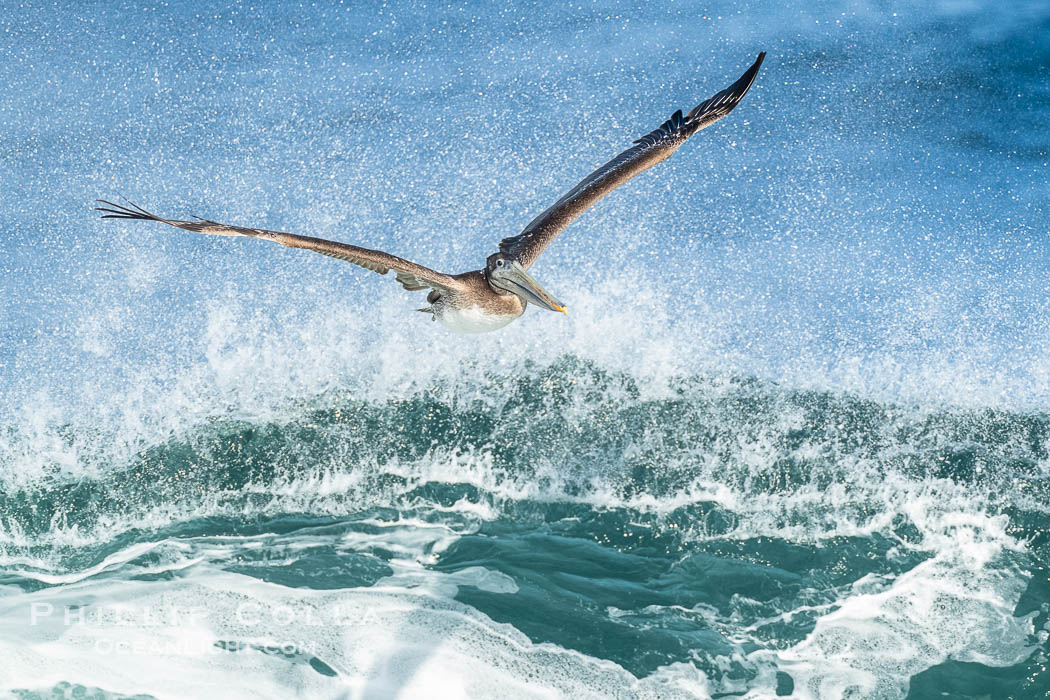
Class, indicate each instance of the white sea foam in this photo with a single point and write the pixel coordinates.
(160, 639)
(253, 368)
(957, 605)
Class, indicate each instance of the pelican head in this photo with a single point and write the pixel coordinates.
(507, 276)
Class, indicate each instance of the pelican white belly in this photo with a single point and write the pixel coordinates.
(473, 319)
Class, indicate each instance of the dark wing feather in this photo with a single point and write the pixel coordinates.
(409, 274)
(649, 150)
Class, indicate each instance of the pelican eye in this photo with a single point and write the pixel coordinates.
(499, 263)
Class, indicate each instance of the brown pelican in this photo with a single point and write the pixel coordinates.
(492, 297)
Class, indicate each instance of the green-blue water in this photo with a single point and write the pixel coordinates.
(792, 439)
(706, 535)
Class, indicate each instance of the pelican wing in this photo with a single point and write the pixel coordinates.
(409, 274)
(649, 150)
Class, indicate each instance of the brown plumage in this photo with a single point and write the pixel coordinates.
(653, 148)
(493, 296)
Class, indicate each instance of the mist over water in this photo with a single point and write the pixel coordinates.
(791, 440)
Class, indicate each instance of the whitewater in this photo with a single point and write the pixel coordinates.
(792, 439)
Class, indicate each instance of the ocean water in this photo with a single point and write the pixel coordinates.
(792, 439)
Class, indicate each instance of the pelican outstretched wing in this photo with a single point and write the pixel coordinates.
(649, 150)
(409, 274)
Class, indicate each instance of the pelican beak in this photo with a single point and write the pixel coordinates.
(522, 284)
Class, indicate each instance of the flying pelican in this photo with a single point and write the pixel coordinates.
(490, 298)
